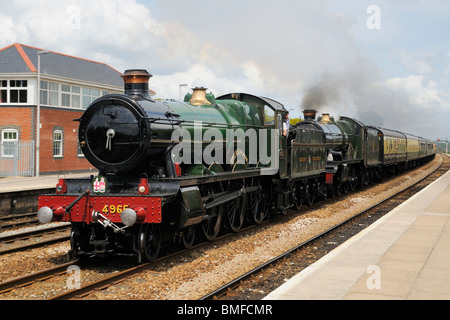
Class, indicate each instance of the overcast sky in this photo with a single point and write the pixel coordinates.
(386, 63)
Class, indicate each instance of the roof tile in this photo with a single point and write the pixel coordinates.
(19, 58)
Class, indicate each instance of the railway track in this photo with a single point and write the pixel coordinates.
(32, 238)
(29, 279)
(18, 220)
(117, 277)
(244, 286)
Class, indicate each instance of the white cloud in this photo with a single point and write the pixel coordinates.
(423, 95)
(275, 49)
(7, 29)
(420, 64)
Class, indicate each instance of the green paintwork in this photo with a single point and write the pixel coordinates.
(309, 154)
(221, 114)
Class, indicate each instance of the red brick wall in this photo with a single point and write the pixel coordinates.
(20, 118)
(51, 118)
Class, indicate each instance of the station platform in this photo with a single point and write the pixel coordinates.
(20, 195)
(19, 184)
(405, 255)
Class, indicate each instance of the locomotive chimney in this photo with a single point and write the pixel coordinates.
(136, 82)
(199, 97)
(309, 114)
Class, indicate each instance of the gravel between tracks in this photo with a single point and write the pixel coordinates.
(197, 273)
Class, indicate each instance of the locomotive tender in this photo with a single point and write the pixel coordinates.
(169, 170)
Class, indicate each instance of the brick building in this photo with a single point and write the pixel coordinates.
(67, 86)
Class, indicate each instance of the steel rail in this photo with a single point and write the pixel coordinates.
(28, 279)
(236, 282)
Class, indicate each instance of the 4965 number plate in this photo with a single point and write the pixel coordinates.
(114, 209)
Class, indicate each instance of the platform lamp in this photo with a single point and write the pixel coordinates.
(38, 121)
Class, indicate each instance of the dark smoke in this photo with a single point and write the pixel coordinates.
(327, 92)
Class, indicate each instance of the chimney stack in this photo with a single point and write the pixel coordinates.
(310, 114)
(136, 82)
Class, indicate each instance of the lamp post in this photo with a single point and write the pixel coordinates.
(38, 121)
(182, 85)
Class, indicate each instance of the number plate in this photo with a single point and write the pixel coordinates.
(112, 209)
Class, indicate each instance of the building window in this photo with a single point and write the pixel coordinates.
(66, 95)
(16, 92)
(89, 95)
(9, 142)
(76, 100)
(57, 143)
(79, 150)
(53, 94)
(49, 93)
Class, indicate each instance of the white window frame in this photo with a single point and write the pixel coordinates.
(8, 140)
(79, 150)
(8, 86)
(58, 149)
(68, 95)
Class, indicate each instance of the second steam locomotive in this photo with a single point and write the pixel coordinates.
(170, 170)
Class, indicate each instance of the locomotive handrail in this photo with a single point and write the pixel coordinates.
(70, 206)
(170, 121)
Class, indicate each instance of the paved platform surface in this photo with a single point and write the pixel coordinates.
(404, 255)
(36, 183)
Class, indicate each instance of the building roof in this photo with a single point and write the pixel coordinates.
(19, 58)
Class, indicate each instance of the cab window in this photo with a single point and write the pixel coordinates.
(269, 116)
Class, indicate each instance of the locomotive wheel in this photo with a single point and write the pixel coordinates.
(211, 226)
(310, 194)
(79, 239)
(338, 188)
(298, 195)
(352, 184)
(236, 213)
(258, 206)
(330, 191)
(188, 237)
(150, 241)
(74, 242)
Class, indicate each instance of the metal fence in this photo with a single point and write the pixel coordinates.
(17, 159)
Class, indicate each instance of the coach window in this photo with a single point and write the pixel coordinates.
(9, 141)
(57, 143)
